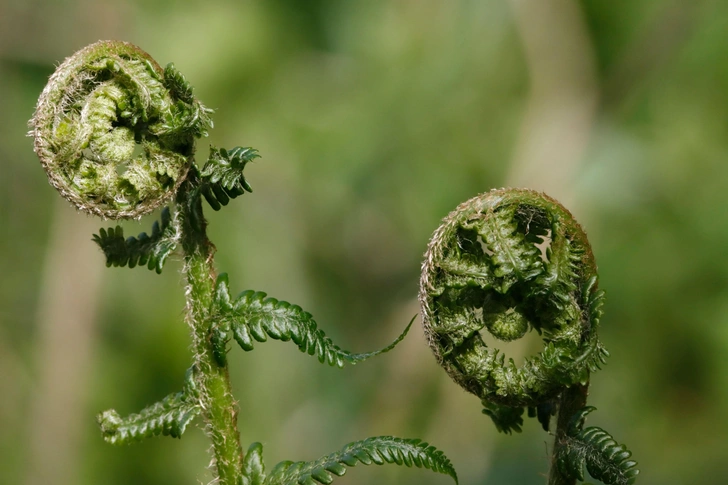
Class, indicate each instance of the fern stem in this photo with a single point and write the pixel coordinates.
(219, 408)
(572, 400)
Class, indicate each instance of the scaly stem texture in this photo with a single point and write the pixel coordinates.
(219, 408)
(572, 400)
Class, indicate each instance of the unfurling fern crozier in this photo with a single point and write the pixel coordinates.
(116, 132)
(508, 262)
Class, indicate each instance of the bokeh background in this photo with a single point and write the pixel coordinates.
(375, 119)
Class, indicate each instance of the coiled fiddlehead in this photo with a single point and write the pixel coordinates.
(507, 262)
(115, 132)
(483, 270)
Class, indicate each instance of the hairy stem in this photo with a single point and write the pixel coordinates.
(572, 400)
(218, 405)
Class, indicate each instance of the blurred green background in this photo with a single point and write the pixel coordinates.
(375, 119)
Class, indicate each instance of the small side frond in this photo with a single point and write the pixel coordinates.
(253, 467)
(254, 317)
(604, 458)
(507, 419)
(168, 417)
(222, 176)
(150, 250)
(377, 451)
(543, 412)
(187, 114)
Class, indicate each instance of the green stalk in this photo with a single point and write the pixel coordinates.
(572, 400)
(219, 407)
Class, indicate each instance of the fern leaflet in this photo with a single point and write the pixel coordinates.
(144, 249)
(253, 317)
(507, 419)
(605, 459)
(377, 451)
(168, 417)
(253, 467)
(222, 176)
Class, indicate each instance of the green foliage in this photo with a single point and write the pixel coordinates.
(150, 250)
(506, 262)
(168, 417)
(222, 176)
(543, 412)
(485, 271)
(187, 115)
(253, 467)
(376, 451)
(604, 458)
(254, 317)
(98, 107)
(103, 102)
(507, 419)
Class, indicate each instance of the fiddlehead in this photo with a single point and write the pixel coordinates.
(484, 271)
(104, 104)
(507, 262)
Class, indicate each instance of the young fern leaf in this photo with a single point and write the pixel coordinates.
(116, 135)
(100, 105)
(253, 467)
(253, 317)
(377, 451)
(222, 176)
(150, 250)
(507, 419)
(507, 262)
(509, 288)
(605, 459)
(168, 417)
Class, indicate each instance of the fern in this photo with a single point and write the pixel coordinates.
(377, 451)
(168, 417)
(604, 458)
(103, 104)
(254, 317)
(512, 260)
(253, 467)
(506, 262)
(506, 419)
(151, 251)
(222, 175)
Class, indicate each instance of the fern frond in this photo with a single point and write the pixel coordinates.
(99, 107)
(513, 260)
(253, 467)
(168, 417)
(144, 249)
(177, 84)
(222, 176)
(377, 451)
(506, 262)
(254, 317)
(543, 412)
(604, 458)
(507, 419)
